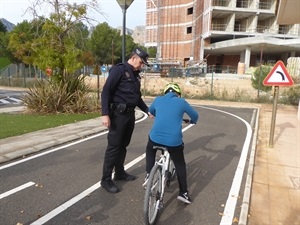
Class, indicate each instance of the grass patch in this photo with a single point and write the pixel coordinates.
(4, 62)
(18, 124)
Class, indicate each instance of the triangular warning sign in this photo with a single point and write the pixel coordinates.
(278, 76)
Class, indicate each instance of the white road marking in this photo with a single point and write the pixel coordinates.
(50, 151)
(17, 189)
(80, 196)
(233, 195)
(4, 101)
(15, 99)
(248, 185)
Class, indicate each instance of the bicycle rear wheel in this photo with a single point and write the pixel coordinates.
(152, 195)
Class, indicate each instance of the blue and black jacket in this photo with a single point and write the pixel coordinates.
(169, 111)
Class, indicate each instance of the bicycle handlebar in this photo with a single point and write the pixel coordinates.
(188, 121)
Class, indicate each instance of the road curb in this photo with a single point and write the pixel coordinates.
(248, 185)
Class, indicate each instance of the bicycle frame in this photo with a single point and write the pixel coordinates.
(164, 162)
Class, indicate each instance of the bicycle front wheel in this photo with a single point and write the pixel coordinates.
(152, 195)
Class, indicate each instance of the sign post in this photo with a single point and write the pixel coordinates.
(278, 76)
(273, 121)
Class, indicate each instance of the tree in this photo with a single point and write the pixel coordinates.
(4, 40)
(2, 27)
(258, 77)
(56, 41)
(3, 43)
(152, 52)
(130, 45)
(105, 44)
(56, 44)
(21, 40)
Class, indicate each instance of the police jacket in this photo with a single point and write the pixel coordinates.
(122, 86)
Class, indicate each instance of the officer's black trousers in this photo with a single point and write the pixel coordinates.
(176, 154)
(118, 137)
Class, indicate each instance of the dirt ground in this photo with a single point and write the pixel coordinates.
(191, 87)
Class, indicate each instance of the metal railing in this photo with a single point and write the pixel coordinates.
(242, 4)
(224, 3)
(18, 75)
(265, 5)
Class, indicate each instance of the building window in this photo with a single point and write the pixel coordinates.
(189, 30)
(190, 11)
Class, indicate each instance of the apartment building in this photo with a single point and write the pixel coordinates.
(219, 32)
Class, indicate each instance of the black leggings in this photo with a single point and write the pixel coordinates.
(176, 154)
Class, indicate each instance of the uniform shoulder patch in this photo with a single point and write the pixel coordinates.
(127, 74)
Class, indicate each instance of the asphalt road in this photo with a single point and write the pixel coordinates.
(64, 186)
(11, 97)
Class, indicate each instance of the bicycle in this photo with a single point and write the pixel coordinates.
(160, 177)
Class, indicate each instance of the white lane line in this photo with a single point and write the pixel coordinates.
(247, 191)
(4, 101)
(50, 151)
(66, 205)
(17, 189)
(80, 196)
(86, 192)
(233, 195)
(15, 99)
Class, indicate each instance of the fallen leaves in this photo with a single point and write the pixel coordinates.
(235, 220)
(88, 217)
(39, 185)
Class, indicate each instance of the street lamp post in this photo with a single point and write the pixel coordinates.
(124, 4)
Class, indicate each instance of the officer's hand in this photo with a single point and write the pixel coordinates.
(106, 121)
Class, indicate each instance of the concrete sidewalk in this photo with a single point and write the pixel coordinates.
(275, 187)
(20, 146)
(275, 195)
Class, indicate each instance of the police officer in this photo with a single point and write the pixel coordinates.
(120, 95)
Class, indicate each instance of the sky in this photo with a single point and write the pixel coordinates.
(13, 10)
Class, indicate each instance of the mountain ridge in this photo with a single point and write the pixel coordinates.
(9, 26)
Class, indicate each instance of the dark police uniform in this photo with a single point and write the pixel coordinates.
(120, 95)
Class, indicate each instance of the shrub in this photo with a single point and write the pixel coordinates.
(258, 78)
(291, 95)
(67, 96)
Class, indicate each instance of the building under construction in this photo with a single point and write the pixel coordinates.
(224, 34)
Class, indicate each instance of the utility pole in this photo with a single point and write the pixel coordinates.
(112, 52)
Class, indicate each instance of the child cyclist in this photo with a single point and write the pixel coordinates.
(168, 111)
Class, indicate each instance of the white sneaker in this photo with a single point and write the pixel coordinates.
(184, 198)
(146, 180)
